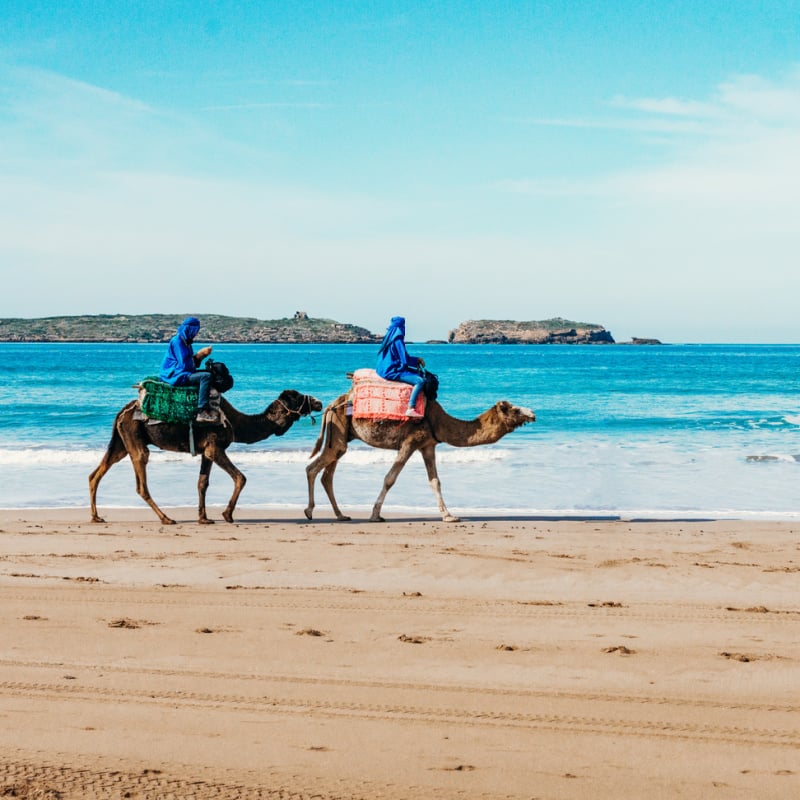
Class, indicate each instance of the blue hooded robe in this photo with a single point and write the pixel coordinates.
(179, 363)
(393, 358)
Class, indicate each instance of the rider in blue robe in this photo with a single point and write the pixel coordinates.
(180, 366)
(396, 364)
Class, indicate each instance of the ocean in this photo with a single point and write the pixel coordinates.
(664, 431)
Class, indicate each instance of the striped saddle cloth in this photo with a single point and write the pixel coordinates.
(376, 398)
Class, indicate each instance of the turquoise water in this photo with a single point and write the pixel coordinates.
(623, 431)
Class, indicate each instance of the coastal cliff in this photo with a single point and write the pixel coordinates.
(549, 331)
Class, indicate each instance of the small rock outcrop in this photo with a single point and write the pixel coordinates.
(549, 331)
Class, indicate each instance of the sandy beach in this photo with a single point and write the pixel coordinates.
(492, 658)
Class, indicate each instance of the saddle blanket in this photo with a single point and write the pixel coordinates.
(160, 401)
(376, 398)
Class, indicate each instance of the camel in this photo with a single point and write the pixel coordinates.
(405, 436)
(131, 437)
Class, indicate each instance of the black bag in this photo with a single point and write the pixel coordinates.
(431, 385)
(221, 378)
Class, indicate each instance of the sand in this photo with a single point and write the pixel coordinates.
(492, 658)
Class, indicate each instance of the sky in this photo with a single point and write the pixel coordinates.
(633, 164)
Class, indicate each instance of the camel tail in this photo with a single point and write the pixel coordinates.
(323, 431)
(116, 448)
(114, 442)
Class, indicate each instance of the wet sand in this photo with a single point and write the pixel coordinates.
(492, 658)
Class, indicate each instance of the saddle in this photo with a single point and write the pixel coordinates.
(161, 402)
(374, 397)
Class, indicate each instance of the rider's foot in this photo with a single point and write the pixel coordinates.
(205, 414)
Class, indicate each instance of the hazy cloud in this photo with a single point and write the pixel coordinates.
(96, 186)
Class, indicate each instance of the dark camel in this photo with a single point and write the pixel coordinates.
(131, 437)
(406, 437)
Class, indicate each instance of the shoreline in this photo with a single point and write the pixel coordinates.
(245, 514)
(408, 659)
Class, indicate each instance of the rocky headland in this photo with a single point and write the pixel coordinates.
(299, 329)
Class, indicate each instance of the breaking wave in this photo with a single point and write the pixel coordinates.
(45, 456)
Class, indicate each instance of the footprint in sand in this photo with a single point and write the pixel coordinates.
(124, 623)
(309, 632)
(743, 657)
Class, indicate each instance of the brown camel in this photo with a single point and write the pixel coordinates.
(406, 437)
(131, 437)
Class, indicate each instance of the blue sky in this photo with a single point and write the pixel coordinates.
(634, 164)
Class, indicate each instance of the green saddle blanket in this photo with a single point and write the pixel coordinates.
(159, 400)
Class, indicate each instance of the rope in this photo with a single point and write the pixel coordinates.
(299, 412)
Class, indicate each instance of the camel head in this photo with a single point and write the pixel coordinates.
(290, 406)
(512, 416)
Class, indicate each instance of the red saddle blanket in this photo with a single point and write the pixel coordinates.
(376, 398)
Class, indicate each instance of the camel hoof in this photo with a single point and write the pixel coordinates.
(227, 516)
(344, 518)
(205, 521)
(97, 519)
(307, 512)
(377, 519)
(451, 518)
(167, 521)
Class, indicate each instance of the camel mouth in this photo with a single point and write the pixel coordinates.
(528, 413)
(316, 405)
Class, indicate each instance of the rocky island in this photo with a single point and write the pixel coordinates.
(549, 331)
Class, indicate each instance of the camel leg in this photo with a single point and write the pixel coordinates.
(429, 458)
(202, 487)
(140, 455)
(114, 453)
(139, 460)
(327, 483)
(389, 480)
(326, 463)
(312, 470)
(239, 480)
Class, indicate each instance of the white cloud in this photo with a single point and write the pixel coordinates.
(668, 106)
(261, 106)
(758, 100)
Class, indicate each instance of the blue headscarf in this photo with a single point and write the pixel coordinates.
(396, 330)
(394, 360)
(189, 328)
